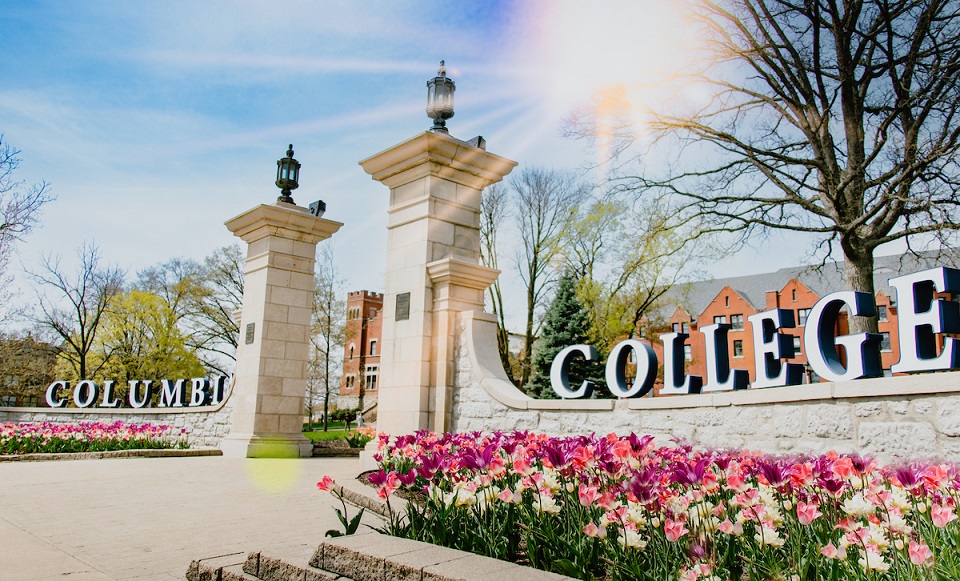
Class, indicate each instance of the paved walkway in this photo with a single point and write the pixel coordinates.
(146, 519)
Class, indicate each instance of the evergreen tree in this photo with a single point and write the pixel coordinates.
(566, 323)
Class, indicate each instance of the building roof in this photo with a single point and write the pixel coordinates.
(822, 280)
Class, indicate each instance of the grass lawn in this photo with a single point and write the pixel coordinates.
(330, 435)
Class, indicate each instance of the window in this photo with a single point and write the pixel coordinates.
(796, 345)
(352, 349)
(736, 322)
(720, 319)
(881, 312)
(726, 302)
(885, 341)
(688, 353)
(676, 327)
(373, 347)
(349, 381)
(685, 327)
(370, 377)
(738, 348)
(793, 294)
(802, 315)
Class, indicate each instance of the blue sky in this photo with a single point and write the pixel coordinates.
(157, 121)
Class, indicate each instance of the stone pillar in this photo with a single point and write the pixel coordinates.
(433, 271)
(271, 373)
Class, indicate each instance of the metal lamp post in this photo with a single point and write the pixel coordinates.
(440, 91)
(288, 172)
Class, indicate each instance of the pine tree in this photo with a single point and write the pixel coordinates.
(566, 323)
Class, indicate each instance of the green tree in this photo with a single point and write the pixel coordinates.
(566, 323)
(139, 339)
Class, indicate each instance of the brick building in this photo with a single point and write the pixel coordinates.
(796, 289)
(361, 348)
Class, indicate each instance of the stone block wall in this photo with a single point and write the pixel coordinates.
(892, 419)
(205, 427)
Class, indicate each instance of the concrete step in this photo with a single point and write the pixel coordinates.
(287, 564)
(211, 568)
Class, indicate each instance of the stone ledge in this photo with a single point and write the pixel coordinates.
(155, 453)
(376, 557)
(367, 556)
(212, 568)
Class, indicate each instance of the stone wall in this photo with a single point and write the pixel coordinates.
(205, 426)
(900, 418)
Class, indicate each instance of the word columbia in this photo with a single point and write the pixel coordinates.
(921, 317)
(173, 393)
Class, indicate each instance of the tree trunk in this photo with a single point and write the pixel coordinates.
(858, 271)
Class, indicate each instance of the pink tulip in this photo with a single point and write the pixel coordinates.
(920, 554)
(674, 529)
(588, 494)
(807, 513)
(592, 530)
(325, 483)
(832, 552)
(941, 515)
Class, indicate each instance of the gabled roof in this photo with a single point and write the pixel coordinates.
(696, 296)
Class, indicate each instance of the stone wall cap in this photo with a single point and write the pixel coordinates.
(286, 220)
(454, 159)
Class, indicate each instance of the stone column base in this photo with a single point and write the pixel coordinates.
(261, 446)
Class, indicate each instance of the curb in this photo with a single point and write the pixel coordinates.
(150, 453)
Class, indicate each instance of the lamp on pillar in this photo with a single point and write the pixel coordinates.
(440, 91)
(288, 172)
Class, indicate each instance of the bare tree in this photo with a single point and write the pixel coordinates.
(178, 281)
(214, 332)
(327, 334)
(78, 306)
(494, 211)
(20, 207)
(546, 200)
(628, 260)
(837, 119)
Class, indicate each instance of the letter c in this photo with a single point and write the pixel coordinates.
(53, 397)
(560, 372)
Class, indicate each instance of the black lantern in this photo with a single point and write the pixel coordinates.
(288, 172)
(440, 91)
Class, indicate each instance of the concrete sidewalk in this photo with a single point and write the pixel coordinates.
(146, 519)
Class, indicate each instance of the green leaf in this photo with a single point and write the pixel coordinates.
(355, 523)
(334, 533)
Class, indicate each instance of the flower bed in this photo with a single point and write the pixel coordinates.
(45, 437)
(621, 508)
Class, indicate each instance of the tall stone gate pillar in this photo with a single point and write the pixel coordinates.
(433, 271)
(271, 373)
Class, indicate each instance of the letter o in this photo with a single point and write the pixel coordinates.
(616, 369)
(85, 393)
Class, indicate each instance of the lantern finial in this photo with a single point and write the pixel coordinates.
(440, 91)
(288, 174)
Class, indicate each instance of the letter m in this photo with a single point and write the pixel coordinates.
(172, 393)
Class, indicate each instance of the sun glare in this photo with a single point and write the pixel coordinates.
(614, 60)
